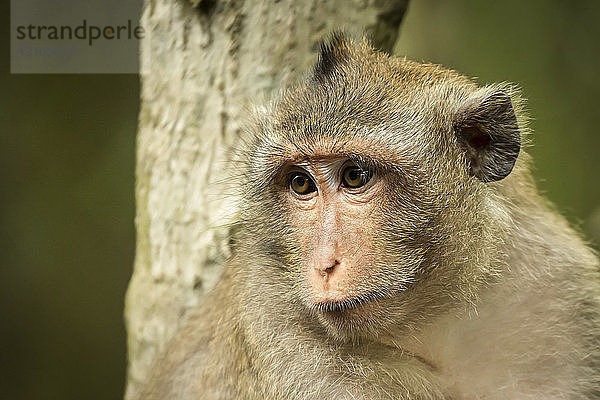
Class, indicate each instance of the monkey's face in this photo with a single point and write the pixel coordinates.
(333, 202)
(354, 255)
(369, 187)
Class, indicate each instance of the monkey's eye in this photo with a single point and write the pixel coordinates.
(301, 183)
(354, 176)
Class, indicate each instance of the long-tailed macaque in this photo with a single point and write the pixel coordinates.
(391, 244)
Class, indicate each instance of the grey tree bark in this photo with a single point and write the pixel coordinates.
(202, 64)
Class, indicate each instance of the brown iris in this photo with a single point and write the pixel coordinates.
(354, 176)
(301, 183)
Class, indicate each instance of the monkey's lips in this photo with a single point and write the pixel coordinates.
(337, 306)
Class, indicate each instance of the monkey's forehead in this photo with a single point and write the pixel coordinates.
(377, 126)
(384, 151)
(369, 89)
(368, 150)
(345, 118)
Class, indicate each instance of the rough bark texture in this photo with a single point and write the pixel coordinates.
(202, 64)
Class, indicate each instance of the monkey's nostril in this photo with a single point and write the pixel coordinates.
(330, 269)
(326, 271)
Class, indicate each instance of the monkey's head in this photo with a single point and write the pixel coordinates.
(371, 189)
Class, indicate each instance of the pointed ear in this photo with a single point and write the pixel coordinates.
(487, 128)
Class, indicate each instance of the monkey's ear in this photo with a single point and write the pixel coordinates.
(487, 128)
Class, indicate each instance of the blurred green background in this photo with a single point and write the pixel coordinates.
(68, 157)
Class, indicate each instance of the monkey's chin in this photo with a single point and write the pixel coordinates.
(350, 318)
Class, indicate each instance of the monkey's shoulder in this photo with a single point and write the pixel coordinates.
(202, 357)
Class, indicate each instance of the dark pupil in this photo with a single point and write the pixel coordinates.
(300, 181)
(353, 174)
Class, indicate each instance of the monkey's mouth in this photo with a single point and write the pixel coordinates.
(347, 304)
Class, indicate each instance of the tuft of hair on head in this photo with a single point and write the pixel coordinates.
(333, 52)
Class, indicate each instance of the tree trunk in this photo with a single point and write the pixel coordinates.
(202, 64)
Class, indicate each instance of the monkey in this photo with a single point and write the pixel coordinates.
(391, 244)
